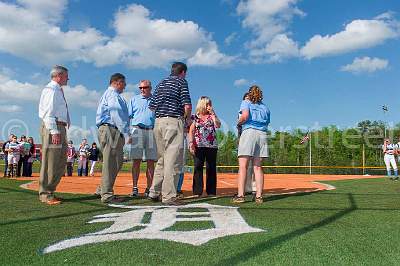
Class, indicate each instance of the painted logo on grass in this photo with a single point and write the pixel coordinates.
(161, 222)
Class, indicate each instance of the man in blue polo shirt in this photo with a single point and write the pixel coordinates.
(143, 142)
(112, 120)
(172, 105)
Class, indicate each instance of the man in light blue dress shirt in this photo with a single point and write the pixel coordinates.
(144, 144)
(112, 119)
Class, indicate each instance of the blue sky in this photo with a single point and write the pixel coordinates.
(318, 62)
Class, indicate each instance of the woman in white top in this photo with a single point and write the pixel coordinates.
(83, 153)
(389, 150)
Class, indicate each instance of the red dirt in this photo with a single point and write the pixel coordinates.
(227, 183)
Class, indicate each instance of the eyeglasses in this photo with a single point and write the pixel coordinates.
(144, 87)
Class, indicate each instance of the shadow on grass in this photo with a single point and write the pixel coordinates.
(266, 198)
(8, 190)
(53, 216)
(255, 250)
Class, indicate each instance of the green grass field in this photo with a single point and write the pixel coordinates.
(356, 224)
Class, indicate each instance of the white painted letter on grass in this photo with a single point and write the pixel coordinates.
(129, 225)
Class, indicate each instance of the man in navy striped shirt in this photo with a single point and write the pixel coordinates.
(172, 106)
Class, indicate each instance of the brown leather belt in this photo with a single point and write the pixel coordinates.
(59, 123)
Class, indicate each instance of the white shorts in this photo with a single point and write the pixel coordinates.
(13, 159)
(253, 143)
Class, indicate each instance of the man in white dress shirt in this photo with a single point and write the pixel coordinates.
(53, 111)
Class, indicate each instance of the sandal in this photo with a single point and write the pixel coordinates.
(259, 200)
(238, 199)
(53, 201)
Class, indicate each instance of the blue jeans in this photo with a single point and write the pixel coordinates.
(180, 182)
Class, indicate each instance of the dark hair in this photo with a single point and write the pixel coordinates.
(177, 68)
(116, 77)
(94, 143)
(245, 95)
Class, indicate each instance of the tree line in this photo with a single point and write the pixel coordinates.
(330, 146)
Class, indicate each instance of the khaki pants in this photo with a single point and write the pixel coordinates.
(54, 160)
(112, 144)
(168, 132)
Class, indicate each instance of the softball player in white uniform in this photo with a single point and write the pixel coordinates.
(389, 150)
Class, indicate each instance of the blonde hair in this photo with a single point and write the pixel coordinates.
(255, 94)
(202, 103)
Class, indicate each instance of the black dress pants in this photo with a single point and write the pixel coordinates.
(208, 155)
(21, 162)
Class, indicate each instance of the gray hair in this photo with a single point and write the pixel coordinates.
(56, 70)
(146, 81)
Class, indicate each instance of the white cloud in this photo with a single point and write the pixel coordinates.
(231, 37)
(25, 32)
(13, 108)
(210, 56)
(6, 71)
(130, 91)
(15, 90)
(358, 34)
(76, 134)
(82, 96)
(22, 91)
(279, 48)
(269, 21)
(48, 10)
(161, 41)
(241, 82)
(366, 64)
(30, 30)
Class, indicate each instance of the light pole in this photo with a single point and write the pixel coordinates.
(385, 110)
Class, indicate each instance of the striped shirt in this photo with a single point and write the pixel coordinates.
(170, 97)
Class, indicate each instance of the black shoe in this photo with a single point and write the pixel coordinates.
(396, 178)
(179, 195)
(154, 199)
(146, 193)
(135, 193)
